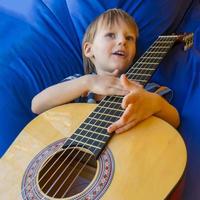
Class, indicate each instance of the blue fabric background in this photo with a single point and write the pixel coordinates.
(181, 72)
(40, 44)
(39, 47)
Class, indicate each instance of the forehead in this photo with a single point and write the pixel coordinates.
(117, 22)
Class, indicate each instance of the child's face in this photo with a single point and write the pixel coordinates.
(113, 47)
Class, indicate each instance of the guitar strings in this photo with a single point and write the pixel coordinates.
(76, 176)
(66, 169)
(66, 178)
(74, 179)
(77, 144)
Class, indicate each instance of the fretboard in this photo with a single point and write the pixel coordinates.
(92, 133)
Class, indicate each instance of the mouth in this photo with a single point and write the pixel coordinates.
(119, 53)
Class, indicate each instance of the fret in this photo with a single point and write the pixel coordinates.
(100, 128)
(136, 75)
(159, 48)
(83, 143)
(113, 98)
(148, 63)
(158, 52)
(95, 120)
(99, 124)
(165, 42)
(109, 115)
(110, 109)
(142, 68)
(151, 54)
(143, 74)
(91, 133)
(168, 36)
(91, 120)
(109, 102)
(145, 66)
(106, 118)
(106, 112)
(151, 58)
(81, 137)
(162, 44)
(141, 81)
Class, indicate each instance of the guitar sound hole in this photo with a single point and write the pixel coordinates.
(67, 173)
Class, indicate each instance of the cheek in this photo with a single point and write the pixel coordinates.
(133, 51)
(101, 49)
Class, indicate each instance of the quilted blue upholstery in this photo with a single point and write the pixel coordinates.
(181, 72)
(39, 47)
(40, 44)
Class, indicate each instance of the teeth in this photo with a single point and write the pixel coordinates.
(121, 53)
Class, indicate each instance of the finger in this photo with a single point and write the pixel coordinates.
(126, 127)
(129, 84)
(117, 91)
(115, 126)
(119, 126)
(129, 114)
(116, 73)
(115, 88)
(128, 99)
(126, 118)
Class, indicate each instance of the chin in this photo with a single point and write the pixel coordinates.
(122, 69)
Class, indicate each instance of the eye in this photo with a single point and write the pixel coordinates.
(110, 35)
(130, 38)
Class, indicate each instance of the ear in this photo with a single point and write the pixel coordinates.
(88, 50)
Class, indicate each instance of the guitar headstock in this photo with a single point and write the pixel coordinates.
(187, 38)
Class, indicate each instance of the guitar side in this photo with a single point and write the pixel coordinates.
(149, 159)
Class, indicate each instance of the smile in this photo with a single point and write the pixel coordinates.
(119, 53)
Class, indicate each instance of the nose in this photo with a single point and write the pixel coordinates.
(122, 40)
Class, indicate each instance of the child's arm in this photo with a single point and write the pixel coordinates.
(140, 104)
(65, 92)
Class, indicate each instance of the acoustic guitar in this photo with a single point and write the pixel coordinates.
(66, 152)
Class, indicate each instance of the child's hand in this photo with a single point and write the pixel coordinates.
(138, 104)
(108, 84)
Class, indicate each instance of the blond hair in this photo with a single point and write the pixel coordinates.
(108, 18)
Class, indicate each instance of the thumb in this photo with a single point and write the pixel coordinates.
(128, 84)
(116, 73)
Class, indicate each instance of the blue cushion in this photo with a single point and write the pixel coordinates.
(181, 72)
(49, 47)
(39, 47)
(154, 17)
(41, 44)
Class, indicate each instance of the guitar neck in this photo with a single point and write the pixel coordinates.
(146, 65)
(92, 134)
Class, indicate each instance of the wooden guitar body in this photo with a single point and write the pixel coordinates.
(148, 161)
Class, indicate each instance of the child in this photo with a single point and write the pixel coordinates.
(109, 47)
